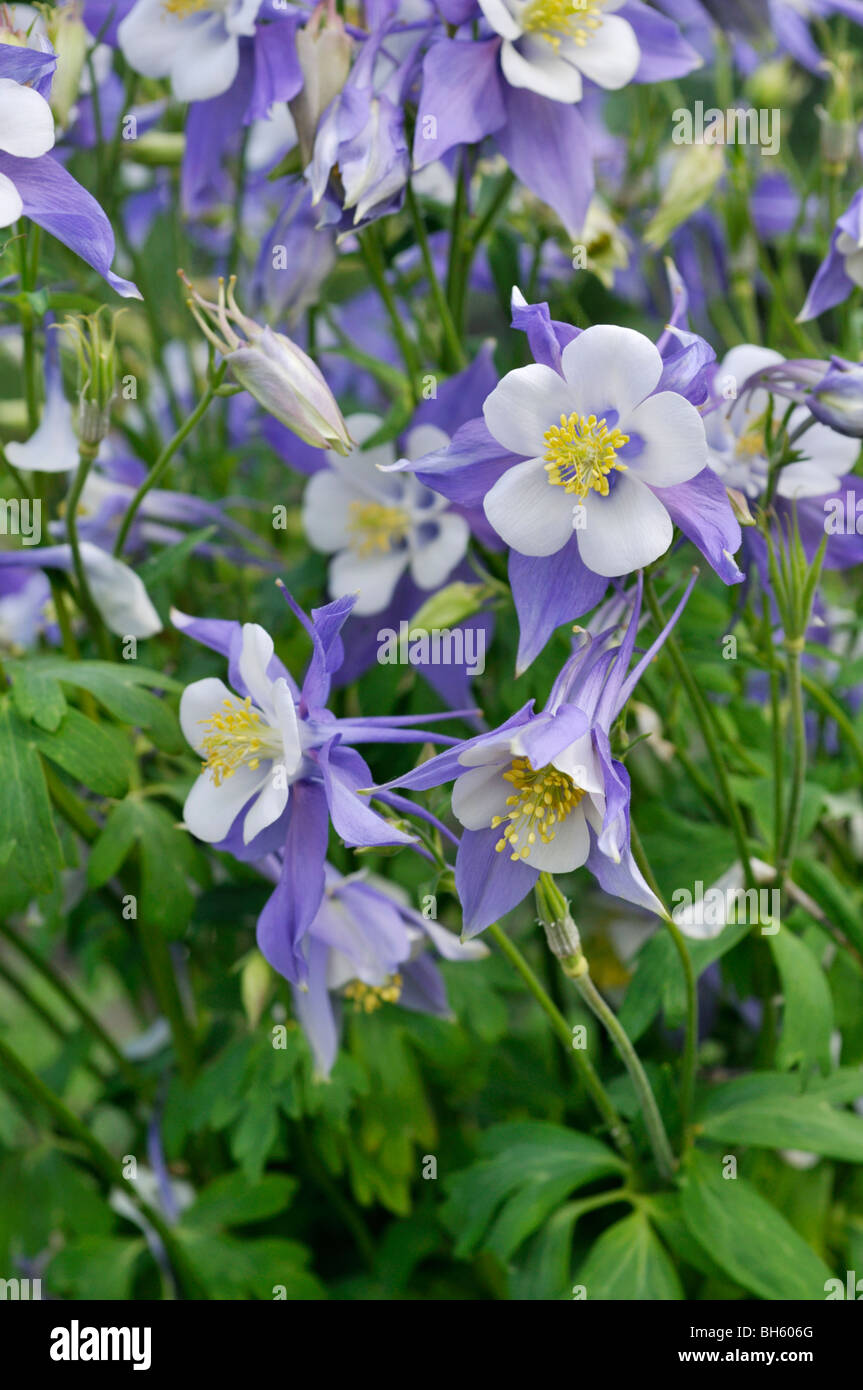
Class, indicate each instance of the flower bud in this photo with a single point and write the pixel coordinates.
(256, 986)
(324, 53)
(281, 377)
(837, 399)
(96, 351)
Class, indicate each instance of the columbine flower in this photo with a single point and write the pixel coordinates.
(34, 185)
(842, 267)
(381, 525)
(194, 43)
(277, 766)
(542, 793)
(53, 446)
(736, 434)
(612, 464)
(549, 44)
(117, 591)
(280, 376)
(367, 947)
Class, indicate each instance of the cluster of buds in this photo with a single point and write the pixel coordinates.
(281, 377)
(96, 350)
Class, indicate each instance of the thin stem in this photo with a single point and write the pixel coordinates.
(162, 462)
(690, 1046)
(89, 1020)
(649, 1109)
(776, 729)
(101, 1159)
(86, 456)
(455, 351)
(704, 719)
(164, 980)
(791, 827)
(584, 1066)
(20, 986)
(373, 259)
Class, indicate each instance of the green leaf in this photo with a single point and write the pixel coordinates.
(118, 686)
(98, 755)
(230, 1201)
(159, 566)
(746, 1236)
(168, 859)
(97, 1267)
(545, 1268)
(259, 1269)
(629, 1262)
(807, 1019)
(771, 1116)
(532, 1168)
(38, 697)
(26, 819)
(838, 901)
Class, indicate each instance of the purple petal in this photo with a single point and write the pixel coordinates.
(461, 100)
(546, 144)
(291, 909)
(549, 590)
(488, 884)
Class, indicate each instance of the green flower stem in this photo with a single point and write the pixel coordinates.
(791, 827)
(776, 727)
(834, 711)
(162, 463)
(598, 1094)
(35, 1005)
(690, 1046)
(101, 1159)
(370, 250)
(86, 455)
(704, 718)
(69, 996)
(455, 351)
(164, 981)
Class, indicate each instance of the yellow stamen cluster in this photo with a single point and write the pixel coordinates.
(540, 801)
(181, 8)
(367, 998)
(581, 452)
(554, 20)
(373, 526)
(236, 738)
(751, 444)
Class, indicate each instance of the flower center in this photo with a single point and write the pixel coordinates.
(182, 8)
(751, 444)
(236, 738)
(554, 20)
(581, 452)
(367, 998)
(374, 526)
(540, 801)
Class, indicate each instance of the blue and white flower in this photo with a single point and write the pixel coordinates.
(196, 45)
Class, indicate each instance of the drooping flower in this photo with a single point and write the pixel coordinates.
(278, 766)
(842, 267)
(736, 433)
(380, 525)
(281, 377)
(542, 792)
(368, 947)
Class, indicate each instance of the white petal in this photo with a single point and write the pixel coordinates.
(119, 594)
(835, 453)
(433, 561)
(360, 468)
(480, 795)
(288, 725)
(528, 512)
(269, 805)
(674, 442)
(210, 811)
(198, 703)
(610, 368)
(501, 18)
(625, 530)
(611, 56)
(26, 123)
(524, 405)
(579, 761)
(425, 439)
(326, 511)
(53, 447)
(149, 37)
(256, 654)
(568, 849)
(11, 206)
(534, 64)
(372, 577)
(210, 68)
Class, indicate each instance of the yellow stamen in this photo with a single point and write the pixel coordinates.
(581, 452)
(751, 444)
(367, 998)
(374, 526)
(182, 8)
(237, 738)
(542, 800)
(554, 20)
